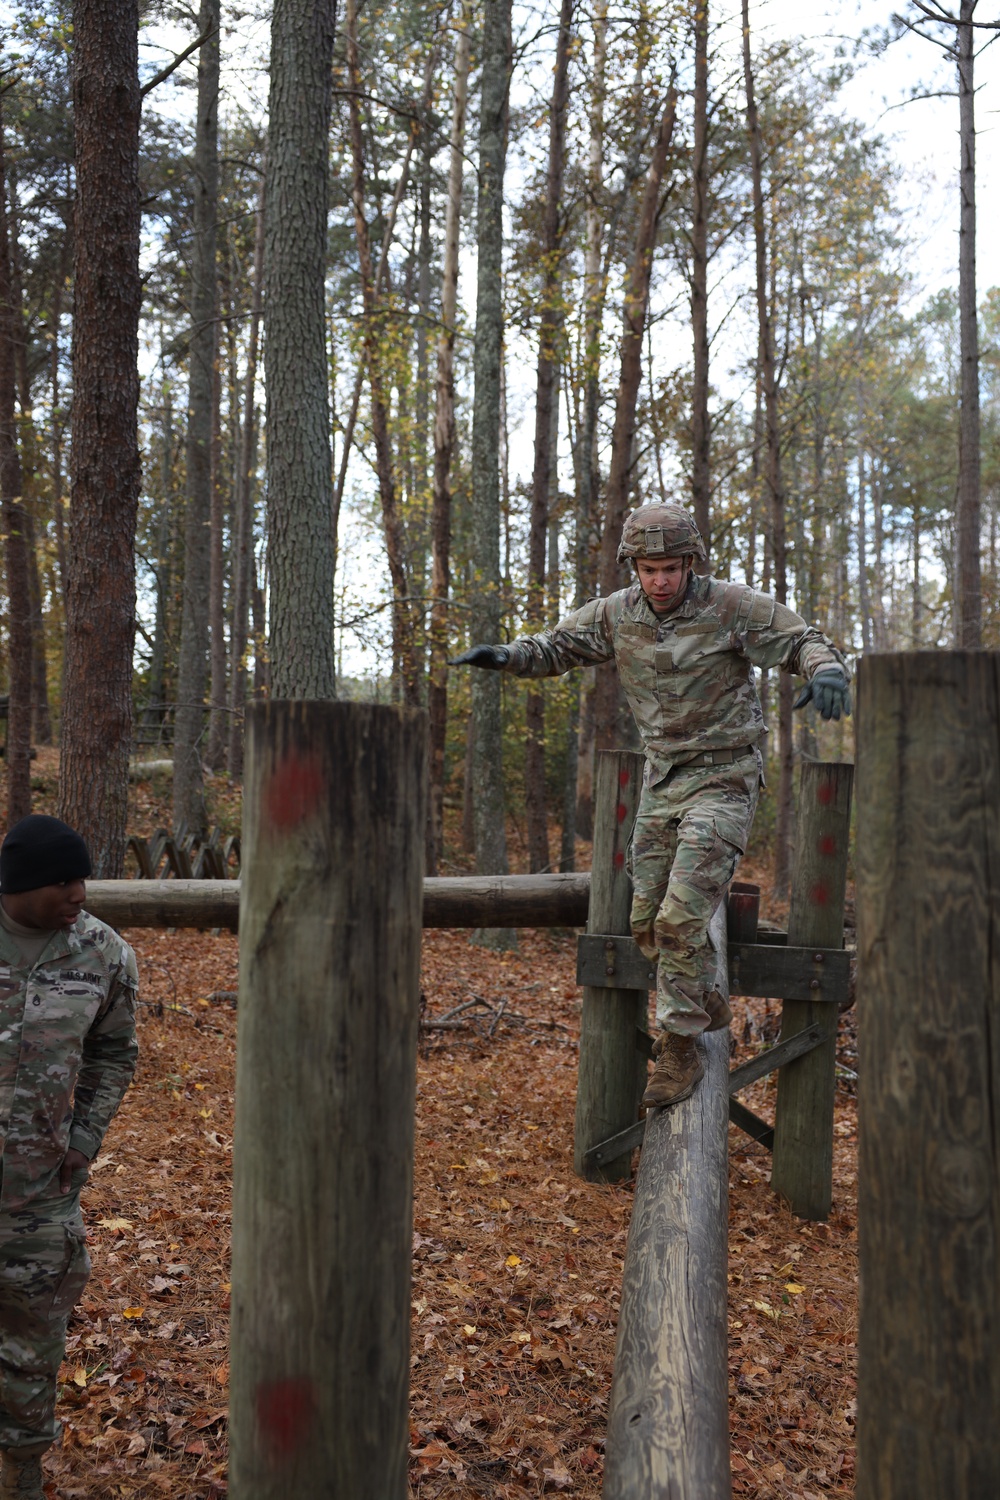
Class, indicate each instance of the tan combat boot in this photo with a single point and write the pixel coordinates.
(718, 1009)
(678, 1069)
(21, 1476)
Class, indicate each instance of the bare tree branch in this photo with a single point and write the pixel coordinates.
(172, 67)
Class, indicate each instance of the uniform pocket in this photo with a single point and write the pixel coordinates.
(733, 829)
(76, 1273)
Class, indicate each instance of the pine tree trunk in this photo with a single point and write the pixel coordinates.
(607, 706)
(403, 622)
(41, 718)
(968, 585)
(192, 664)
(15, 541)
(105, 476)
(485, 616)
(154, 711)
(444, 448)
(58, 502)
(587, 522)
(215, 754)
(769, 382)
(41, 723)
(700, 425)
(546, 399)
(243, 508)
(302, 661)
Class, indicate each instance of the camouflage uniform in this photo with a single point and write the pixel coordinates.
(689, 680)
(67, 1055)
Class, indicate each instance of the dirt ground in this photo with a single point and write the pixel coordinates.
(516, 1263)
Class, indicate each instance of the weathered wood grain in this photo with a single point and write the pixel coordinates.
(814, 974)
(803, 1128)
(612, 1071)
(165, 903)
(928, 888)
(325, 1087)
(507, 900)
(775, 1057)
(668, 1420)
(453, 901)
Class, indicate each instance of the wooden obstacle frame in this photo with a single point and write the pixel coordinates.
(668, 1414)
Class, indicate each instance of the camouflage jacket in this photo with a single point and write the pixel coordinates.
(688, 676)
(67, 1052)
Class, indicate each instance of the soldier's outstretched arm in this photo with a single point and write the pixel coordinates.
(829, 689)
(582, 639)
(493, 658)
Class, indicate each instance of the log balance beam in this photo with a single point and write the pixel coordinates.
(668, 1419)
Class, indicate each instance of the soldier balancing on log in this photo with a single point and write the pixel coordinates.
(67, 1054)
(685, 646)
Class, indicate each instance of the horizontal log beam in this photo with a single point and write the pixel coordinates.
(449, 901)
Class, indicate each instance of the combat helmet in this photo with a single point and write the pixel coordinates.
(660, 531)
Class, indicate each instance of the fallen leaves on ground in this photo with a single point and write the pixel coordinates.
(516, 1263)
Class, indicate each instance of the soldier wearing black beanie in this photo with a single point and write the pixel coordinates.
(67, 1054)
(41, 851)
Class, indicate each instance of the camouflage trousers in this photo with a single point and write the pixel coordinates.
(690, 831)
(44, 1266)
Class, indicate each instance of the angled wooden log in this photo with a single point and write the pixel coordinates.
(612, 1070)
(325, 1086)
(928, 865)
(668, 1420)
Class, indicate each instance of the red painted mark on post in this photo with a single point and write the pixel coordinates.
(293, 790)
(622, 812)
(824, 793)
(623, 778)
(820, 894)
(619, 859)
(286, 1412)
(828, 844)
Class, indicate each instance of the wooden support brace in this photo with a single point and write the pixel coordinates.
(612, 1071)
(803, 1128)
(811, 975)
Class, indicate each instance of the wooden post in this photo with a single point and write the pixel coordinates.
(928, 866)
(325, 1085)
(668, 1419)
(612, 1071)
(802, 1171)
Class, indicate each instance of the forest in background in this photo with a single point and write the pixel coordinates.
(543, 221)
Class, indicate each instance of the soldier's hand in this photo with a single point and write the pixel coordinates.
(829, 691)
(73, 1161)
(494, 658)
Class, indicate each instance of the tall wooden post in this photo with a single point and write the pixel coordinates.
(612, 1071)
(928, 865)
(802, 1170)
(325, 1082)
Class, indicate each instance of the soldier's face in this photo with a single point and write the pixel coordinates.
(50, 908)
(663, 581)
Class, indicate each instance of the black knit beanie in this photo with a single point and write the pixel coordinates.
(41, 851)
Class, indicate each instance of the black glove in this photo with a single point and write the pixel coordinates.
(829, 691)
(494, 658)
